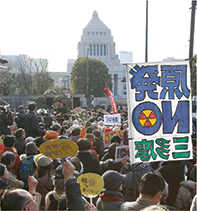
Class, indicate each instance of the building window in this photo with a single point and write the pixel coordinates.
(96, 33)
(101, 50)
(94, 50)
(105, 50)
(98, 50)
(92, 33)
(100, 33)
(104, 33)
(91, 50)
(88, 33)
(124, 86)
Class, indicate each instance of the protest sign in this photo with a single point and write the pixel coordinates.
(108, 135)
(159, 110)
(114, 119)
(60, 148)
(121, 153)
(91, 184)
(82, 116)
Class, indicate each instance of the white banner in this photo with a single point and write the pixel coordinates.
(159, 109)
(114, 119)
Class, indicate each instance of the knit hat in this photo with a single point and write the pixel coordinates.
(112, 180)
(31, 148)
(29, 139)
(9, 141)
(58, 172)
(97, 133)
(44, 161)
(90, 136)
(21, 108)
(50, 135)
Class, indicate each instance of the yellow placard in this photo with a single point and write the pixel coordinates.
(91, 184)
(59, 148)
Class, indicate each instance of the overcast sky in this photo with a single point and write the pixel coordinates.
(52, 29)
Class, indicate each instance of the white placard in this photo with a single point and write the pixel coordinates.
(121, 153)
(114, 119)
(159, 111)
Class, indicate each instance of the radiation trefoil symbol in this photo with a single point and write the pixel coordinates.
(147, 118)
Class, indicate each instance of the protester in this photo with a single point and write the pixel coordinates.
(44, 177)
(111, 164)
(9, 142)
(8, 159)
(20, 117)
(89, 160)
(31, 122)
(111, 198)
(150, 189)
(19, 199)
(20, 141)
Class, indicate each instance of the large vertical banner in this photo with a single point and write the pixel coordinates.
(160, 116)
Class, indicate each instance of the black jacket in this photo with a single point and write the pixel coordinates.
(20, 120)
(90, 162)
(110, 164)
(32, 125)
(73, 194)
(20, 146)
(5, 121)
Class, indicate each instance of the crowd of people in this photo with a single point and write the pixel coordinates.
(46, 184)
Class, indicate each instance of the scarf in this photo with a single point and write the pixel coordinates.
(110, 197)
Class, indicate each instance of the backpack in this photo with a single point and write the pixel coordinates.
(26, 169)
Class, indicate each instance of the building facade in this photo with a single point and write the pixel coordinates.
(97, 37)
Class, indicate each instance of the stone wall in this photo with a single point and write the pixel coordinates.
(16, 100)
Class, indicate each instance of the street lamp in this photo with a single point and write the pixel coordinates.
(87, 77)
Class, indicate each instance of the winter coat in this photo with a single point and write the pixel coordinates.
(107, 204)
(140, 170)
(73, 194)
(90, 162)
(184, 193)
(32, 125)
(20, 120)
(20, 146)
(45, 185)
(110, 164)
(5, 121)
(99, 144)
(173, 172)
(15, 168)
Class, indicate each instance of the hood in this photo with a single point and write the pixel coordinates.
(21, 115)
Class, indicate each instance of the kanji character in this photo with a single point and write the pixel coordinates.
(181, 146)
(160, 150)
(48, 147)
(145, 80)
(144, 147)
(172, 78)
(55, 146)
